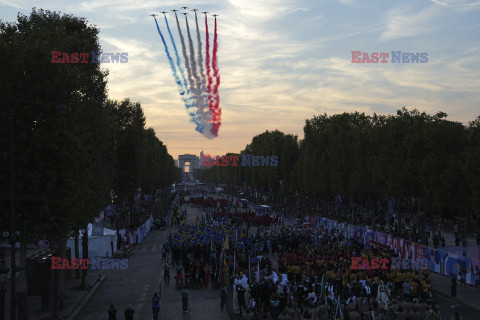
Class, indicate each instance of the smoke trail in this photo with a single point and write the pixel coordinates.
(184, 52)
(193, 64)
(207, 64)
(216, 111)
(191, 101)
(178, 62)
(204, 95)
(186, 98)
(200, 57)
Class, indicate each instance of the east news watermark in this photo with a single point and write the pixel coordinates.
(96, 263)
(246, 160)
(395, 57)
(359, 263)
(89, 57)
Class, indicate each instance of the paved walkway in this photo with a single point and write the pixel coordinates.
(137, 284)
(468, 301)
(72, 297)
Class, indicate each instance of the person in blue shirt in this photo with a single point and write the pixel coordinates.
(155, 305)
(129, 313)
(112, 312)
(185, 295)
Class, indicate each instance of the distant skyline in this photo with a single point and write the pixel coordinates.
(284, 61)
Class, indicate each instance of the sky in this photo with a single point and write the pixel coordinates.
(284, 61)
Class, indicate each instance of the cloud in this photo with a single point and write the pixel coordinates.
(400, 22)
(456, 3)
(282, 62)
(17, 4)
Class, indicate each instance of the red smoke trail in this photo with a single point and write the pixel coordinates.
(216, 110)
(207, 63)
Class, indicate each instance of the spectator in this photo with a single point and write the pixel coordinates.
(461, 275)
(241, 298)
(476, 275)
(406, 290)
(185, 294)
(166, 272)
(129, 313)
(453, 290)
(112, 312)
(275, 302)
(223, 298)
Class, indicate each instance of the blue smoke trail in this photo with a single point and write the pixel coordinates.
(177, 56)
(186, 98)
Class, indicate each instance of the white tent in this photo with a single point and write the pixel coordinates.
(98, 246)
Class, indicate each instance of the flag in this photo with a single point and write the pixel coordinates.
(323, 287)
(225, 243)
(258, 271)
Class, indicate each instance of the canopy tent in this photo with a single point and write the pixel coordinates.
(98, 246)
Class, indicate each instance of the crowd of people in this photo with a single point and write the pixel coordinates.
(297, 271)
(315, 281)
(294, 272)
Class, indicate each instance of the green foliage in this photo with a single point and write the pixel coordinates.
(265, 144)
(72, 145)
(472, 164)
(409, 154)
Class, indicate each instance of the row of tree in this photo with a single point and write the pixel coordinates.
(72, 145)
(68, 145)
(408, 154)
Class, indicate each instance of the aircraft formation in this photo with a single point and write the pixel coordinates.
(184, 13)
(197, 76)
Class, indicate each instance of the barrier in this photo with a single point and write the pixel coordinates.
(439, 261)
(136, 236)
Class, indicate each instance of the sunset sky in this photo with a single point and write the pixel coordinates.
(283, 61)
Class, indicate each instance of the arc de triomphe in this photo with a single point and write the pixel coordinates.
(190, 158)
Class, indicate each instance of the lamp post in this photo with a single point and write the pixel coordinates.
(4, 270)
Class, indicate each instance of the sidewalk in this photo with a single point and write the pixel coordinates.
(441, 285)
(73, 298)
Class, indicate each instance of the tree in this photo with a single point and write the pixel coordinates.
(56, 112)
(472, 164)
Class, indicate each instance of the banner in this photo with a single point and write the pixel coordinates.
(381, 238)
(437, 260)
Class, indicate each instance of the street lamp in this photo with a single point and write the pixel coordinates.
(4, 270)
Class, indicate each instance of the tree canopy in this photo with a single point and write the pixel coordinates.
(370, 157)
